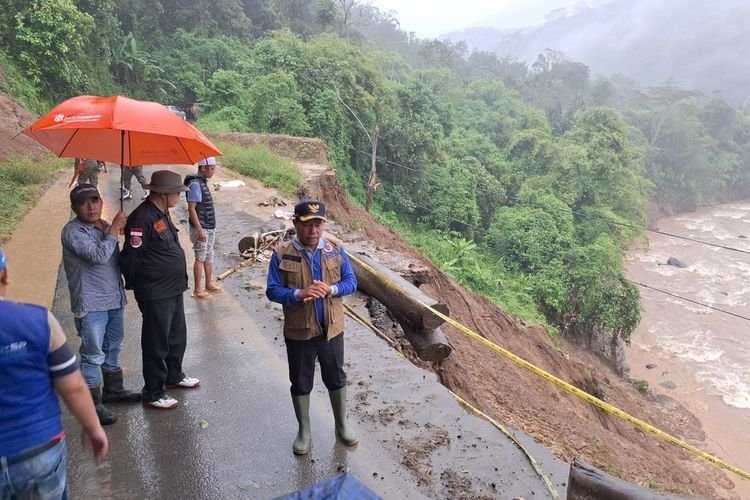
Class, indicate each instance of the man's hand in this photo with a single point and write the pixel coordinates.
(202, 234)
(95, 440)
(118, 223)
(317, 290)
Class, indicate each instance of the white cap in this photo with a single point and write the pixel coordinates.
(207, 161)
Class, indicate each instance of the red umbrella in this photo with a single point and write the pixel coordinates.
(120, 130)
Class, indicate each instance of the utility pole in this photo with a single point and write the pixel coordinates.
(372, 184)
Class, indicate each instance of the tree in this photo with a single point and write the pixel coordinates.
(45, 36)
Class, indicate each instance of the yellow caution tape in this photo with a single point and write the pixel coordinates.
(550, 487)
(568, 387)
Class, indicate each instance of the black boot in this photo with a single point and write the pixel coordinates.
(114, 392)
(106, 417)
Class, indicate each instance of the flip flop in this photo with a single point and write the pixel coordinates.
(201, 295)
(214, 289)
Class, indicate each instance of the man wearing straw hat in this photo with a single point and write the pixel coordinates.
(153, 264)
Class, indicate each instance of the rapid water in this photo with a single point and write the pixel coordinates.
(702, 356)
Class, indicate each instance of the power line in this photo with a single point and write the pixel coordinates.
(588, 216)
(649, 287)
(689, 300)
(575, 212)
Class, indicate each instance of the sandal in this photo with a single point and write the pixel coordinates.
(201, 295)
(214, 289)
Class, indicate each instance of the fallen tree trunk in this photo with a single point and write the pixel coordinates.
(586, 482)
(402, 298)
(430, 345)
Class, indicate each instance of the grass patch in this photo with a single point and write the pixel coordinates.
(260, 163)
(20, 180)
(471, 267)
(641, 386)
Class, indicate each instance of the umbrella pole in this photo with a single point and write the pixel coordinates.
(122, 166)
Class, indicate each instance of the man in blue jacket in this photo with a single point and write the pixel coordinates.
(309, 275)
(35, 364)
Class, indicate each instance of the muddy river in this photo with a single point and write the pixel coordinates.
(698, 355)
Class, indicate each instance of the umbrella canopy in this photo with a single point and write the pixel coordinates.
(344, 486)
(120, 130)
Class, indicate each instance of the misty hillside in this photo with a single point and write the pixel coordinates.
(697, 44)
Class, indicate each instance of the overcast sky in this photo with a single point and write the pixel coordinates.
(430, 18)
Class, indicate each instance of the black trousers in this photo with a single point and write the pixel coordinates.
(163, 343)
(301, 355)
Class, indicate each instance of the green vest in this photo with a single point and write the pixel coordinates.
(300, 322)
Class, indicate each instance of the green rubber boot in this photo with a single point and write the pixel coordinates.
(343, 431)
(301, 444)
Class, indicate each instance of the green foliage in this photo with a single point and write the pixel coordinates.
(20, 180)
(530, 235)
(17, 86)
(473, 269)
(45, 38)
(260, 163)
(641, 386)
(274, 105)
(227, 119)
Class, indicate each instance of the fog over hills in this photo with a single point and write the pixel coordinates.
(697, 44)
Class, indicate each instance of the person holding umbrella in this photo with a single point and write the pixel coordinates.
(97, 298)
(153, 264)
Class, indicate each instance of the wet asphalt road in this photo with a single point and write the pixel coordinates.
(231, 438)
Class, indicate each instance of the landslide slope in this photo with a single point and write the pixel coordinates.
(567, 425)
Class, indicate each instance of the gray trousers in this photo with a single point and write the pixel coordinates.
(129, 172)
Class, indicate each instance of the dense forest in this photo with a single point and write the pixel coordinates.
(524, 182)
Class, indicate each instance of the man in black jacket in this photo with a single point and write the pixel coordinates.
(153, 264)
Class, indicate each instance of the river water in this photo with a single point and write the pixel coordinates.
(702, 356)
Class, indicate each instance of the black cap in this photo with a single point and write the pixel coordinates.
(310, 209)
(83, 192)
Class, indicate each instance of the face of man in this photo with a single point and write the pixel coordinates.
(309, 232)
(207, 171)
(172, 199)
(90, 210)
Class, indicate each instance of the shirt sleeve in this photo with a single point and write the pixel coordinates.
(348, 283)
(194, 195)
(87, 244)
(131, 256)
(275, 289)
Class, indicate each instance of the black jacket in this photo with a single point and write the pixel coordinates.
(152, 260)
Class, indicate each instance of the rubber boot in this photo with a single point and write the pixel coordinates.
(114, 392)
(301, 444)
(343, 431)
(106, 417)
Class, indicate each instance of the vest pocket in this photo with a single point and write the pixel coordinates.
(333, 267)
(292, 273)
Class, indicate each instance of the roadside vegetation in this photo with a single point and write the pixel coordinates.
(21, 178)
(260, 163)
(524, 182)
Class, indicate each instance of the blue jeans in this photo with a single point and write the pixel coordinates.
(42, 476)
(101, 335)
